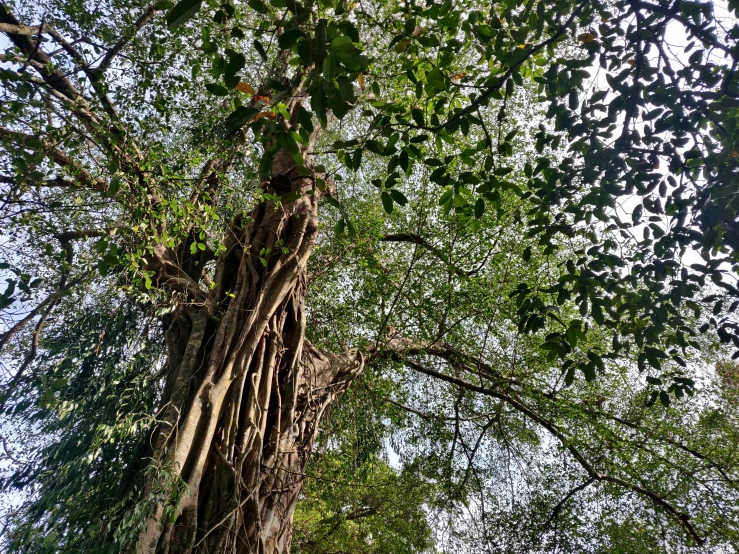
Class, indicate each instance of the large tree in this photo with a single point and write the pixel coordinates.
(163, 167)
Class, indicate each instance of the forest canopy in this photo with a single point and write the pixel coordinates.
(384, 276)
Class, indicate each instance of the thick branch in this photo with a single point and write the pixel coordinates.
(10, 333)
(58, 81)
(67, 236)
(399, 347)
(53, 77)
(60, 158)
(92, 75)
(24, 30)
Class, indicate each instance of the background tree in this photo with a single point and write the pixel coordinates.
(163, 167)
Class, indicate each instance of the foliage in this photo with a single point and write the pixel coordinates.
(543, 194)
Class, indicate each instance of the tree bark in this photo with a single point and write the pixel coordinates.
(245, 392)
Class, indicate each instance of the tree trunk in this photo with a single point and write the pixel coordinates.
(245, 392)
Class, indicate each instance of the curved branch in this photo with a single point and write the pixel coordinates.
(416, 239)
(53, 77)
(398, 347)
(696, 31)
(680, 517)
(480, 100)
(143, 19)
(561, 503)
(11, 332)
(58, 81)
(60, 158)
(91, 74)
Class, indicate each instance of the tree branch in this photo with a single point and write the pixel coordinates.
(479, 101)
(59, 82)
(24, 30)
(67, 236)
(398, 347)
(143, 19)
(54, 78)
(561, 503)
(60, 158)
(408, 348)
(693, 29)
(92, 75)
(416, 239)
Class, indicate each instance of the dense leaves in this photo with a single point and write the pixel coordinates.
(528, 226)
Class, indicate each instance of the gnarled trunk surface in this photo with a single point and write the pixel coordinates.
(245, 391)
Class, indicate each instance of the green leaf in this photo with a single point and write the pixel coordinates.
(209, 47)
(114, 187)
(357, 159)
(375, 146)
(331, 200)
(398, 197)
(235, 64)
(329, 67)
(215, 88)
(570, 376)
(258, 6)
(47, 400)
(260, 49)
(351, 229)
(479, 208)
(342, 44)
(597, 360)
(289, 38)
(597, 313)
(346, 88)
(664, 398)
(387, 201)
(589, 371)
(183, 12)
(239, 117)
(290, 197)
(436, 79)
(305, 118)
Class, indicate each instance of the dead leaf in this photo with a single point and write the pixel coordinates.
(417, 31)
(246, 89)
(262, 115)
(360, 81)
(587, 37)
(402, 46)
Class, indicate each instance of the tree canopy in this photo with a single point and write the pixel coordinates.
(508, 231)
